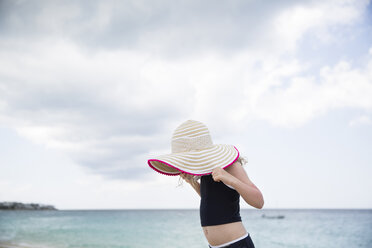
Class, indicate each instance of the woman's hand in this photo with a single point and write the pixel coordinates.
(187, 177)
(219, 174)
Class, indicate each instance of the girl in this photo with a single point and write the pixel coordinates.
(222, 181)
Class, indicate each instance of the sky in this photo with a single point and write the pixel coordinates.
(89, 90)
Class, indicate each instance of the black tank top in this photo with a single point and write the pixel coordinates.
(219, 204)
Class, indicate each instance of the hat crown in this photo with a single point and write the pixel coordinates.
(191, 135)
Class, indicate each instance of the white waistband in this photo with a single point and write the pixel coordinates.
(229, 243)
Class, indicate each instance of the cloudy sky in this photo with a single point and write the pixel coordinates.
(89, 90)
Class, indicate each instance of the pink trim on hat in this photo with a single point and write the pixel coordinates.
(170, 174)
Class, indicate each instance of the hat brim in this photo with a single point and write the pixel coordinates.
(199, 163)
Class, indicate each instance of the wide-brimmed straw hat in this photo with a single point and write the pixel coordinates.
(193, 152)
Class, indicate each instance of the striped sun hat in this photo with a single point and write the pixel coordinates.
(193, 152)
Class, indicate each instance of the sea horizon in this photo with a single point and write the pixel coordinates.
(198, 209)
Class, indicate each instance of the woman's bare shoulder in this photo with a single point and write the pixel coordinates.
(238, 171)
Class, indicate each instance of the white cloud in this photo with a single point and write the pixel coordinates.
(307, 97)
(318, 17)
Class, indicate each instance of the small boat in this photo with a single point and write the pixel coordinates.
(273, 217)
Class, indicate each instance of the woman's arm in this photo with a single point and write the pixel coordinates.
(195, 184)
(235, 176)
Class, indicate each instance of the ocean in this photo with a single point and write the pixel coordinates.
(300, 228)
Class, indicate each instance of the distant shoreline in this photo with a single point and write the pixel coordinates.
(25, 206)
